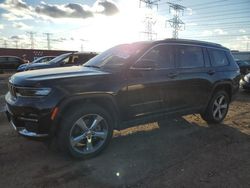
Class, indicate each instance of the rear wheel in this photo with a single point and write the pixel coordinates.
(86, 131)
(217, 108)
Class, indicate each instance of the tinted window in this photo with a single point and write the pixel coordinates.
(218, 57)
(162, 55)
(3, 59)
(189, 56)
(13, 60)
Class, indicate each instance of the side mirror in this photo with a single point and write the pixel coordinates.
(145, 64)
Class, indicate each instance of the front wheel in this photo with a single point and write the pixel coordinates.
(85, 131)
(217, 108)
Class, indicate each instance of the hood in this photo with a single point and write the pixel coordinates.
(37, 65)
(24, 78)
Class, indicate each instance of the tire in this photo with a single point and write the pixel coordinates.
(217, 108)
(85, 131)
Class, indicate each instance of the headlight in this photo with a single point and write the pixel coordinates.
(32, 92)
(247, 78)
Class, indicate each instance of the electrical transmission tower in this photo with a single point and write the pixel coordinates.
(176, 23)
(31, 34)
(48, 40)
(149, 20)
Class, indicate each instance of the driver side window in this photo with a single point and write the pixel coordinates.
(162, 55)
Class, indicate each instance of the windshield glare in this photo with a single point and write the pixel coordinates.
(59, 58)
(116, 56)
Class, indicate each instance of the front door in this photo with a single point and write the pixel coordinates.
(148, 82)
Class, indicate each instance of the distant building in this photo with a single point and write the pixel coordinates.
(244, 55)
(31, 54)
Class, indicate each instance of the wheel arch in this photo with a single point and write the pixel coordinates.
(106, 101)
(226, 86)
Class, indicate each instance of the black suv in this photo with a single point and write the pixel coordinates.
(10, 63)
(126, 85)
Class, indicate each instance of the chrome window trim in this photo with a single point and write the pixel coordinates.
(172, 43)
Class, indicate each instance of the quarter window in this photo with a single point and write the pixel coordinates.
(189, 56)
(161, 55)
(218, 57)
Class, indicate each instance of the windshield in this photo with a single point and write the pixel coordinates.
(37, 60)
(116, 56)
(59, 58)
(242, 63)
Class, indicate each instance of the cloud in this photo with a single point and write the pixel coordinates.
(16, 4)
(242, 30)
(215, 32)
(206, 33)
(22, 26)
(1, 26)
(70, 10)
(220, 32)
(19, 10)
(16, 37)
(109, 8)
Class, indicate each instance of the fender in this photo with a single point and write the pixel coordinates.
(65, 104)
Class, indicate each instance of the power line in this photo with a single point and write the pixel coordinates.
(218, 15)
(211, 6)
(225, 5)
(216, 19)
(219, 23)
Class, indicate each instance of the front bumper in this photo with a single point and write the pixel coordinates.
(24, 132)
(29, 118)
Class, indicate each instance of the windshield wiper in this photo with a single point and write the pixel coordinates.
(94, 66)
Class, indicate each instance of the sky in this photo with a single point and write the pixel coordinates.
(95, 25)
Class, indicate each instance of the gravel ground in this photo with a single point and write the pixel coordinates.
(182, 152)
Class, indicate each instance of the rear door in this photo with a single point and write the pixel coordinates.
(193, 79)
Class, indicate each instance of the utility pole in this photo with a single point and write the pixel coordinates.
(149, 21)
(5, 44)
(48, 40)
(176, 23)
(31, 34)
(82, 44)
(16, 43)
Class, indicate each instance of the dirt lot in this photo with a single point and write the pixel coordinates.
(181, 152)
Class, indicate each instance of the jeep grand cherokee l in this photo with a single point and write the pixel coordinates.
(126, 85)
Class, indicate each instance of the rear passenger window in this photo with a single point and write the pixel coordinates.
(189, 56)
(3, 59)
(218, 57)
(162, 55)
(13, 60)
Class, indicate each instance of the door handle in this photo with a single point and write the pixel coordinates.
(211, 72)
(172, 75)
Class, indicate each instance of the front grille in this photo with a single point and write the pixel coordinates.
(12, 89)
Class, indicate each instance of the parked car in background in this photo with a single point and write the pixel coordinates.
(126, 85)
(245, 82)
(63, 60)
(43, 59)
(10, 63)
(244, 66)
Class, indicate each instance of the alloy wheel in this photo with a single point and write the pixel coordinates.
(88, 133)
(220, 107)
